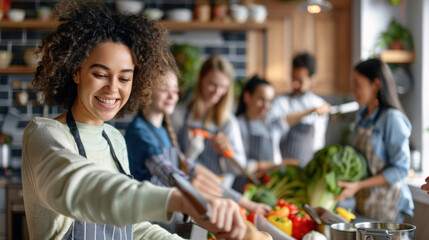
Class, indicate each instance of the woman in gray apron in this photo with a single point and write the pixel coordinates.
(210, 109)
(75, 167)
(260, 137)
(381, 135)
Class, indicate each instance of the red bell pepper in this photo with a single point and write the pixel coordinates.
(301, 224)
(251, 216)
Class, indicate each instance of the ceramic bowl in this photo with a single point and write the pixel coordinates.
(180, 15)
(239, 13)
(30, 58)
(153, 13)
(16, 15)
(129, 6)
(5, 59)
(258, 13)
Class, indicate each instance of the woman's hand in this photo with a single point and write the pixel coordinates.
(195, 147)
(225, 221)
(425, 187)
(220, 143)
(206, 182)
(349, 189)
(254, 206)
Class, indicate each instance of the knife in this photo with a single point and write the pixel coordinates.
(200, 204)
(345, 108)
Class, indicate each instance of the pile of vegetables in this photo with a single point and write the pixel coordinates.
(284, 183)
(289, 218)
(332, 164)
(315, 185)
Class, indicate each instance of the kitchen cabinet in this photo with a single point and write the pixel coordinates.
(16, 221)
(327, 35)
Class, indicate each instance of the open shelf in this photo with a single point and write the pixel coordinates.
(170, 25)
(397, 56)
(18, 69)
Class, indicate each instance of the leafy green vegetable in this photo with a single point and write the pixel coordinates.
(265, 196)
(332, 164)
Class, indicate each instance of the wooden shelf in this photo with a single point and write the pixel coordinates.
(224, 26)
(170, 25)
(29, 24)
(18, 69)
(397, 56)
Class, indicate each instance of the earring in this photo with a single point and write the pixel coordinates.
(75, 78)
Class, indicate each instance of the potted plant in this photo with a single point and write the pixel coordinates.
(189, 62)
(396, 37)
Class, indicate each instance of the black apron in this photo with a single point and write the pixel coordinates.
(85, 230)
(259, 147)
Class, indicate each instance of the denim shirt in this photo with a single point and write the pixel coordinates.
(390, 141)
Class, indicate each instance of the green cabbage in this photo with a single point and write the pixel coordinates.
(332, 164)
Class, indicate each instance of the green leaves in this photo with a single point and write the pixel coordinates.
(332, 164)
(188, 61)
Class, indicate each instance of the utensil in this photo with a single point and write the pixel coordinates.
(345, 108)
(228, 154)
(384, 230)
(312, 213)
(200, 204)
(262, 224)
(249, 176)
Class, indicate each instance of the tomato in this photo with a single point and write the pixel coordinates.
(243, 212)
(281, 202)
(292, 207)
(251, 216)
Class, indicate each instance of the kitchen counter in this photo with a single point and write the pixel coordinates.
(414, 182)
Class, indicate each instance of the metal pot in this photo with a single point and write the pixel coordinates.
(343, 231)
(384, 231)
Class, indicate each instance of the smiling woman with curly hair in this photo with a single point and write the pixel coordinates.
(98, 65)
(66, 49)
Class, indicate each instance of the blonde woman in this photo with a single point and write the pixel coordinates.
(210, 108)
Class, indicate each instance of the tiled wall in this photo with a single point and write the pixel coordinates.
(230, 44)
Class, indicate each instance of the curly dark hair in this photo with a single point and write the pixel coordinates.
(86, 24)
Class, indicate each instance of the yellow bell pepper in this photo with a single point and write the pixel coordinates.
(345, 213)
(282, 223)
(279, 212)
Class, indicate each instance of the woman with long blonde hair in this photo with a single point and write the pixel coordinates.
(210, 109)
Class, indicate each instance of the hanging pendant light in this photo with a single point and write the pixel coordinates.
(315, 6)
